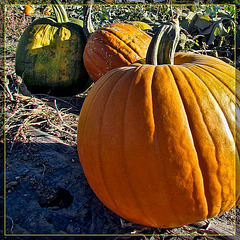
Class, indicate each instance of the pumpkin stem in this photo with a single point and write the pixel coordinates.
(163, 45)
(87, 22)
(60, 11)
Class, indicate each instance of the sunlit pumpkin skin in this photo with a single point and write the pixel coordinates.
(158, 143)
(49, 57)
(116, 45)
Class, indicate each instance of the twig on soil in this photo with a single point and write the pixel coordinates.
(203, 231)
(11, 229)
(16, 135)
(7, 90)
(44, 170)
(38, 123)
(58, 113)
(65, 125)
(7, 120)
(59, 99)
(61, 130)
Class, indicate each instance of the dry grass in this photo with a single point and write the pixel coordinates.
(43, 113)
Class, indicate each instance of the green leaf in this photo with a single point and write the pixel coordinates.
(217, 32)
(217, 29)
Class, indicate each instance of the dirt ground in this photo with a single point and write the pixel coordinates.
(47, 193)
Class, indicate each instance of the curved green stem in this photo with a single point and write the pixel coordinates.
(163, 44)
(60, 11)
(87, 22)
(88, 28)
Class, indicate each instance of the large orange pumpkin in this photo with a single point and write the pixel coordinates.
(116, 45)
(158, 143)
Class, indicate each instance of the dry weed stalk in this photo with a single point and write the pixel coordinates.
(27, 111)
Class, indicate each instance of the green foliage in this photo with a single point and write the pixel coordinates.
(204, 26)
(226, 1)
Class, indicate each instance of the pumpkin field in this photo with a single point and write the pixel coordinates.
(120, 121)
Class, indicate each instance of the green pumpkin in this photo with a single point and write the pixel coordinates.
(49, 55)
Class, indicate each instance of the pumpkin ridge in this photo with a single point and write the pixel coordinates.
(95, 92)
(205, 60)
(233, 128)
(111, 47)
(123, 27)
(119, 53)
(215, 68)
(210, 134)
(88, 59)
(100, 145)
(204, 67)
(205, 64)
(126, 55)
(235, 93)
(78, 47)
(196, 147)
(212, 93)
(92, 63)
(156, 138)
(101, 127)
(138, 201)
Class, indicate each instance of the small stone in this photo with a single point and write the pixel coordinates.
(12, 184)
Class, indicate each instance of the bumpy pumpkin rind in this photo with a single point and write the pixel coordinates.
(161, 149)
(116, 45)
(49, 58)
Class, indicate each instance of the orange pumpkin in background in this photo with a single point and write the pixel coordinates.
(28, 10)
(158, 141)
(116, 45)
